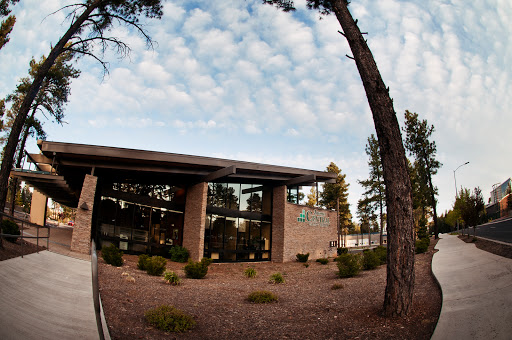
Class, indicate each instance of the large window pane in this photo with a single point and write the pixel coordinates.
(243, 234)
(245, 199)
(265, 235)
(217, 231)
(255, 237)
(255, 201)
(230, 234)
(207, 231)
(232, 196)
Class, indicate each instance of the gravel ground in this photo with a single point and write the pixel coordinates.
(308, 307)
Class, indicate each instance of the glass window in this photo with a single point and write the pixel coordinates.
(245, 199)
(207, 231)
(232, 196)
(255, 236)
(243, 234)
(230, 234)
(255, 201)
(217, 231)
(265, 235)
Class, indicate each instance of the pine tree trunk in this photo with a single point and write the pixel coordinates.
(21, 116)
(400, 266)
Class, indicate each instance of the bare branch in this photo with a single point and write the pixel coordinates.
(349, 57)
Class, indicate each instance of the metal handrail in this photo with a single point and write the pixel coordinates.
(95, 289)
(22, 236)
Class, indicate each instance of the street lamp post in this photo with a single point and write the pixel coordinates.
(455, 180)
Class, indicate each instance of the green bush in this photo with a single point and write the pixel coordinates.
(421, 246)
(370, 260)
(262, 296)
(348, 265)
(342, 250)
(302, 257)
(11, 228)
(250, 272)
(179, 254)
(197, 270)
(143, 259)
(172, 278)
(276, 278)
(381, 254)
(155, 265)
(322, 260)
(112, 255)
(169, 319)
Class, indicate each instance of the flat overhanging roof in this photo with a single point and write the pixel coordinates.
(71, 162)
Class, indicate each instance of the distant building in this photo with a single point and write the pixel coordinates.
(497, 206)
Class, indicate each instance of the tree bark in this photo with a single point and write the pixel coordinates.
(400, 255)
(19, 121)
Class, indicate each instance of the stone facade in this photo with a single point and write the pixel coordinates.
(291, 235)
(195, 216)
(81, 239)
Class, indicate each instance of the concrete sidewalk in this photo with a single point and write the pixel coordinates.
(477, 291)
(46, 296)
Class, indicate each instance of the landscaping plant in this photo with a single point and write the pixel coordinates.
(112, 255)
(262, 296)
(276, 278)
(179, 254)
(197, 270)
(381, 254)
(302, 257)
(348, 265)
(341, 250)
(155, 265)
(250, 272)
(143, 259)
(322, 260)
(11, 228)
(172, 278)
(370, 260)
(169, 319)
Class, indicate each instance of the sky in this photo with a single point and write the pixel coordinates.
(240, 80)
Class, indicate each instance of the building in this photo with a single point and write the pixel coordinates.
(147, 202)
(498, 201)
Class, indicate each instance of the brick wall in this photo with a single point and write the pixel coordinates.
(289, 236)
(81, 239)
(193, 225)
(306, 237)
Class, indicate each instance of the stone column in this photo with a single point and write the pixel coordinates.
(81, 239)
(278, 223)
(195, 216)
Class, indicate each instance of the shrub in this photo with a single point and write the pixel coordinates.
(197, 270)
(172, 278)
(276, 278)
(169, 319)
(336, 286)
(306, 265)
(179, 254)
(143, 259)
(112, 255)
(474, 239)
(342, 250)
(250, 272)
(322, 260)
(370, 260)
(11, 228)
(421, 246)
(381, 254)
(155, 265)
(302, 257)
(348, 265)
(262, 296)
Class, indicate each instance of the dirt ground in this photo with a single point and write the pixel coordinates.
(308, 307)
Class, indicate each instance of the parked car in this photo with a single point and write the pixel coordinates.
(71, 223)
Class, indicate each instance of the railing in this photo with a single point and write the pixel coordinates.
(95, 289)
(22, 229)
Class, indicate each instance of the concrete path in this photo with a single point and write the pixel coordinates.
(46, 296)
(477, 292)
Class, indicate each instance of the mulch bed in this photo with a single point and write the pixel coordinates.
(308, 307)
(490, 246)
(11, 250)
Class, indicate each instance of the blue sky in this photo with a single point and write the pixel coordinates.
(238, 80)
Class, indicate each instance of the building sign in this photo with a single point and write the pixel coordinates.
(314, 218)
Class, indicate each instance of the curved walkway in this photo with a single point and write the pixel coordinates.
(46, 296)
(477, 291)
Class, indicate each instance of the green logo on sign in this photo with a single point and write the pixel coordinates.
(302, 216)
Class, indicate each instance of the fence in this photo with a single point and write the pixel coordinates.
(24, 224)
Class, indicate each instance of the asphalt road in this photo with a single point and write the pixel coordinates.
(497, 230)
